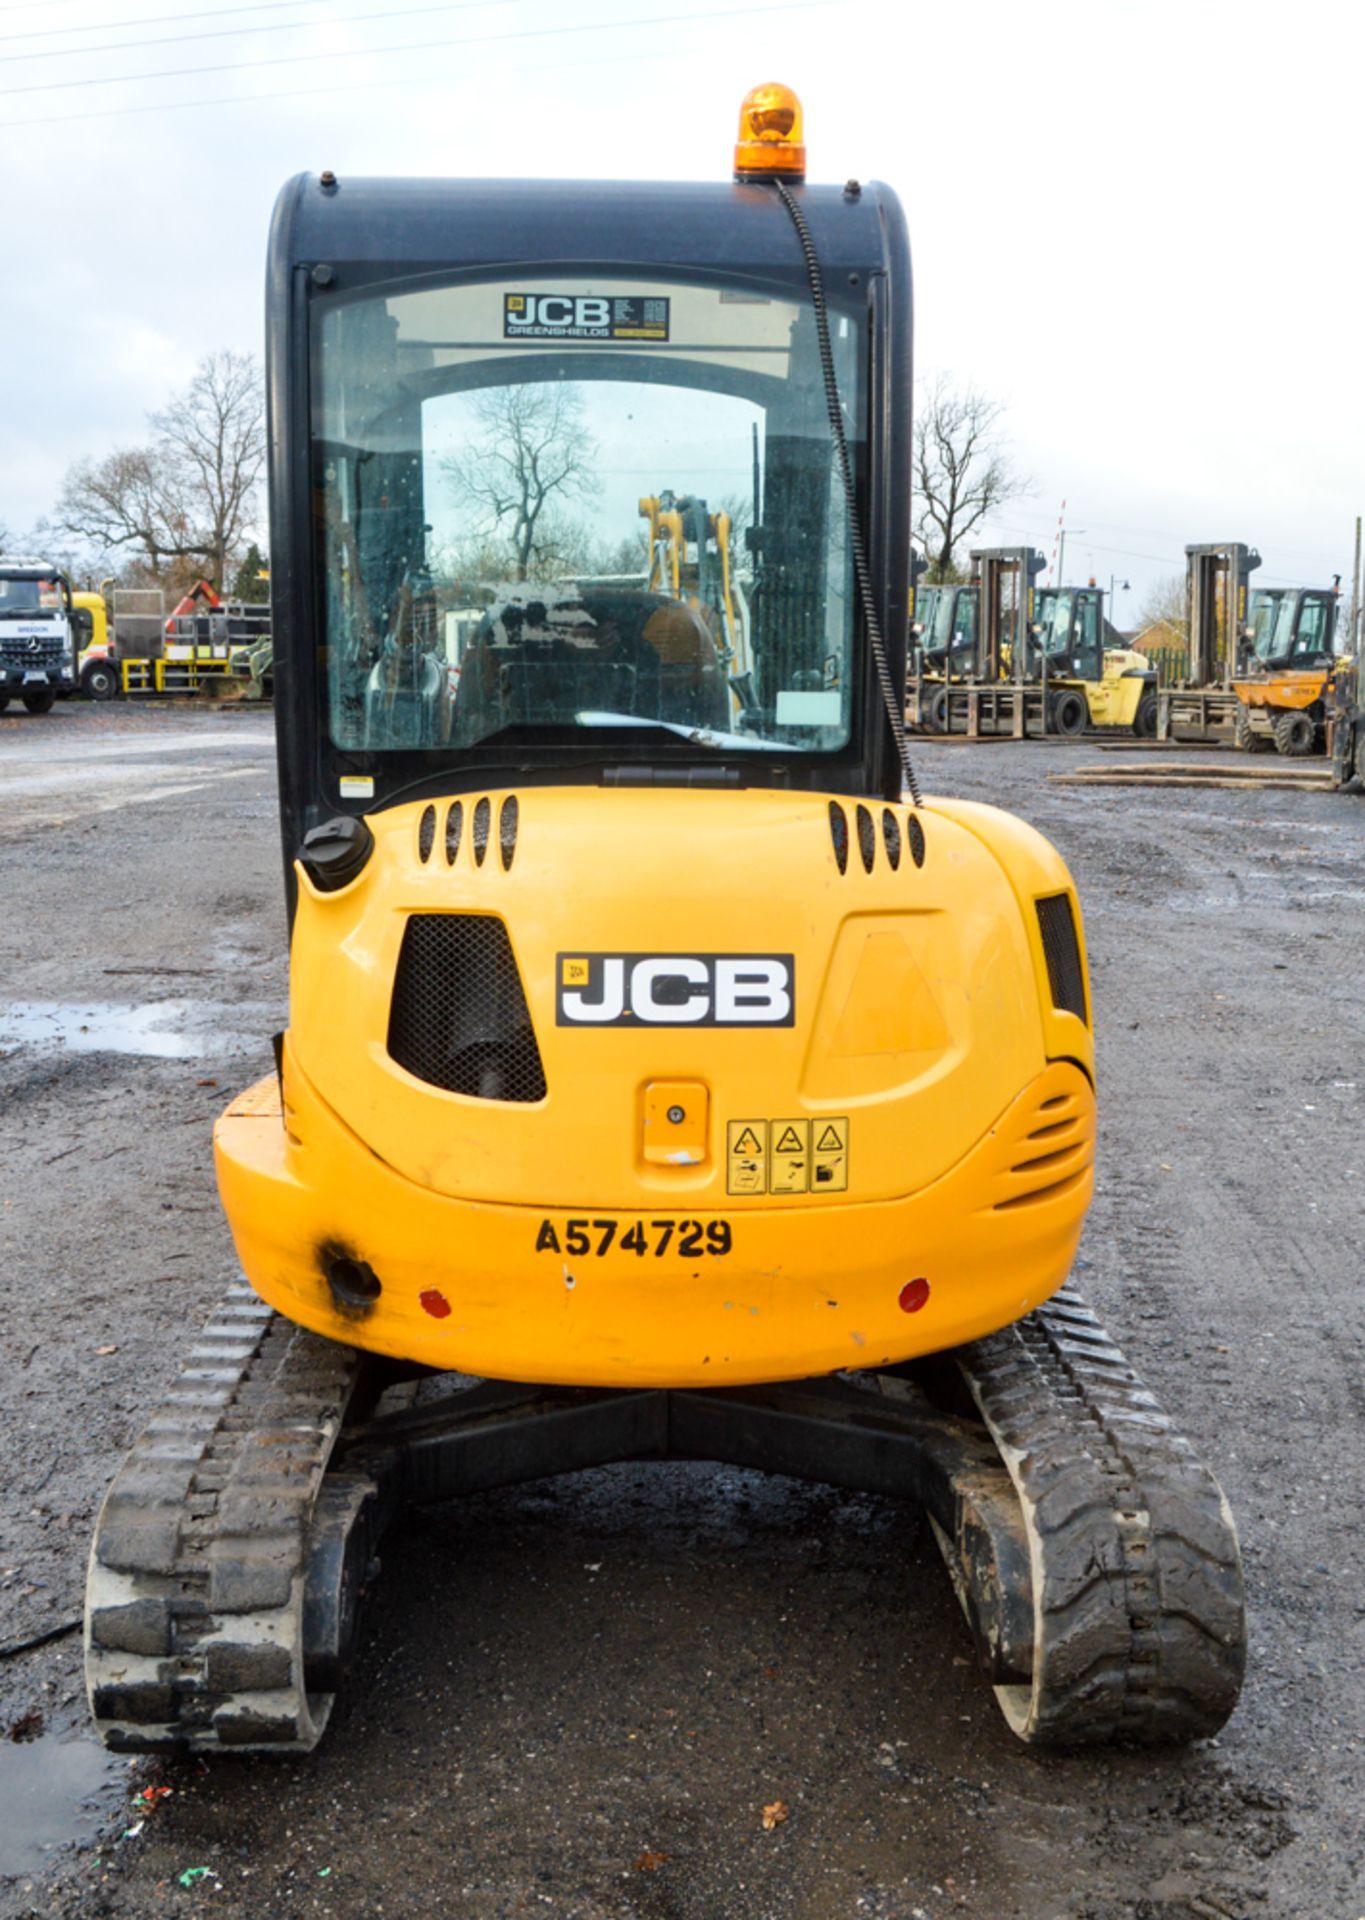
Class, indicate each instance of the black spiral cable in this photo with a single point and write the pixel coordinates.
(893, 706)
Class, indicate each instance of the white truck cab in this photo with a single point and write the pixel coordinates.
(37, 641)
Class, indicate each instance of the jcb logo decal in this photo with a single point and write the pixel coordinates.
(585, 316)
(675, 990)
(559, 312)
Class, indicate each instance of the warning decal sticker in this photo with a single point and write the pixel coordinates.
(747, 1156)
(787, 1156)
(790, 1171)
(829, 1156)
(584, 316)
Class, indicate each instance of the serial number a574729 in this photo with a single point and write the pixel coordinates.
(684, 1239)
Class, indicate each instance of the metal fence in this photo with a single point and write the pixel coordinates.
(1171, 663)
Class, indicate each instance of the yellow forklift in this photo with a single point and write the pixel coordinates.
(1037, 660)
(650, 1090)
(1084, 653)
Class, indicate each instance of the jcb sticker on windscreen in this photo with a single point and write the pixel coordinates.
(584, 316)
(675, 990)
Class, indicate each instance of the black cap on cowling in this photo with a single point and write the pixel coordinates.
(333, 854)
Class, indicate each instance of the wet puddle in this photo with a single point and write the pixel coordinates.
(54, 1792)
(156, 1030)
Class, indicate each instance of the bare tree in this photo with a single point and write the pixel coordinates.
(1165, 605)
(121, 505)
(962, 473)
(531, 455)
(211, 441)
(185, 502)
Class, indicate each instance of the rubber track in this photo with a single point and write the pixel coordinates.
(1139, 1628)
(194, 1602)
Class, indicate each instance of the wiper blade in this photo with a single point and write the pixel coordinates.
(696, 736)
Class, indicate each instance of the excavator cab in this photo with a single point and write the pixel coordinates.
(453, 434)
(663, 1073)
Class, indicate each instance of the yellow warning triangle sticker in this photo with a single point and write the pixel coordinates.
(829, 1142)
(747, 1142)
(791, 1142)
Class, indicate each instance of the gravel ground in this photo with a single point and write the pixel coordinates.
(576, 1698)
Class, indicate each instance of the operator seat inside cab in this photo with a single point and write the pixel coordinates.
(625, 652)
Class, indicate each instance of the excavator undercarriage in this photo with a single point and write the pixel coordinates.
(1094, 1557)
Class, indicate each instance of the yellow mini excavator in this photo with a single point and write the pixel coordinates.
(665, 1078)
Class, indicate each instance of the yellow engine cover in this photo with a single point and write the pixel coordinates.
(794, 1111)
(1114, 699)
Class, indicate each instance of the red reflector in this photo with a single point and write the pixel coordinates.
(913, 1295)
(434, 1302)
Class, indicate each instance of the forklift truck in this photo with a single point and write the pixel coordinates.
(1044, 660)
(652, 1088)
(976, 675)
(1083, 652)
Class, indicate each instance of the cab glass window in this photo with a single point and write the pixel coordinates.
(1310, 638)
(550, 510)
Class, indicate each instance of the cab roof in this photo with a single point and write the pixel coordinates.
(366, 230)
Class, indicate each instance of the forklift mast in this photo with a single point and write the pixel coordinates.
(1216, 605)
(1004, 640)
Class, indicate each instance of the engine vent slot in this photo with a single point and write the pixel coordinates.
(867, 839)
(838, 833)
(914, 833)
(426, 834)
(459, 1018)
(891, 834)
(1057, 1190)
(508, 817)
(1062, 951)
(483, 816)
(454, 828)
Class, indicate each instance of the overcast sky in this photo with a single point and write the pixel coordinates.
(1137, 225)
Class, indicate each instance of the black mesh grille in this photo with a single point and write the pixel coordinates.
(459, 1018)
(891, 833)
(838, 831)
(867, 838)
(1061, 950)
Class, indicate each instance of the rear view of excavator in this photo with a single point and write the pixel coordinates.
(665, 1077)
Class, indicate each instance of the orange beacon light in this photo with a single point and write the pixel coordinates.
(771, 135)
